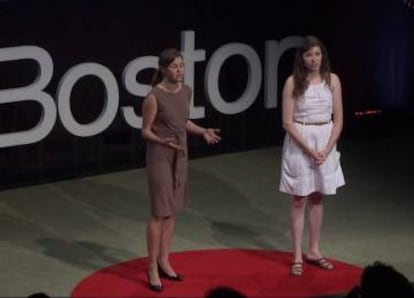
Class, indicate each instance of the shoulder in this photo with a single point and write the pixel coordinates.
(154, 90)
(151, 98)
(149, 104)
(289, 82)
(335, 85)
(187, 88)
(335, 81)
(187, 91)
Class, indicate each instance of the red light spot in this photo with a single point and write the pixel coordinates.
(367, 113)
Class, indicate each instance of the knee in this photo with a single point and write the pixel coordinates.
(155, 219)
(299, 203)
(161, 219)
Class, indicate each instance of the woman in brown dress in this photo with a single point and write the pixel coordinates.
(166, 122)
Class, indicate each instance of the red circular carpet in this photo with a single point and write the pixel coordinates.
(256, 273)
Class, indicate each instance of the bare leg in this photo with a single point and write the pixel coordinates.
(315, 222)
(297, 218)
(168, 226)
(154, 230)
(315, 225)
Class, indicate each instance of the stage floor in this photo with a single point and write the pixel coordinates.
(54, 235)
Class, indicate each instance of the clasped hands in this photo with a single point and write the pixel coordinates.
(318, 157)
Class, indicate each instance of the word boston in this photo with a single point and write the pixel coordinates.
(62, 106)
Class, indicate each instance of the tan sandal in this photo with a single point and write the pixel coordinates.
(296, 269)
(321, 263)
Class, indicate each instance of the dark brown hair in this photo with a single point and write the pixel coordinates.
(166, 57)
(382, 280)
(299, 70)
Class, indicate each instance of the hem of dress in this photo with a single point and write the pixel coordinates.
(311, 192)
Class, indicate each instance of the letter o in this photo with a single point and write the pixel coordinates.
(253, 82)
(111, 99)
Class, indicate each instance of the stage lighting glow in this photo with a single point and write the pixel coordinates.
(409, 3)
(367, 113)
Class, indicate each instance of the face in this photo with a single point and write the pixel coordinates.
(174, 72)
(312, 59)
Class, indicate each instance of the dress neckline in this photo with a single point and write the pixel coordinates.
(179, 88)
(318, 84)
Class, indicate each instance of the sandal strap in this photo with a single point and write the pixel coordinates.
(324, 263)
(296, 268)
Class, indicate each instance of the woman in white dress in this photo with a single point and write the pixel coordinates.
(313, 119)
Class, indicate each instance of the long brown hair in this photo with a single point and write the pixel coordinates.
(166, 57)
(299, 70)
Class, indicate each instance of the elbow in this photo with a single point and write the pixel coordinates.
(339, 124)
(286, 125)
(144, 134)
(188, 126)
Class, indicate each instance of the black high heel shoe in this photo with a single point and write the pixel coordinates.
(154, 287)
(177, 277)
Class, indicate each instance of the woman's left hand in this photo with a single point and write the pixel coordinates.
(322, 155)
(211, 136)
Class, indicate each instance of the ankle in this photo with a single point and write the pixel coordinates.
(163, 262)
(297, 258)
(153, 269)
(313, 254)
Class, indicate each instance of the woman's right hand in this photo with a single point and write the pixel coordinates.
(170, 142)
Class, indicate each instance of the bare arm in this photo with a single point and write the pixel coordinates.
(195, 129)
(337, 114)
(149, 110)
(288, 103)
(210, 135)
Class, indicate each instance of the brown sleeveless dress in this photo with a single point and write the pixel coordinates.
(167, 168)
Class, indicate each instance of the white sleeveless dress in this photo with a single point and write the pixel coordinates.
(300, 175)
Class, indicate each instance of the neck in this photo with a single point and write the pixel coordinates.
(314, 76)
(170, 86)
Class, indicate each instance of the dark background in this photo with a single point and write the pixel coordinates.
(370, 45)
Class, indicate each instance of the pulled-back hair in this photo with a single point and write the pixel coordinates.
(300, 71)
(166, 57)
